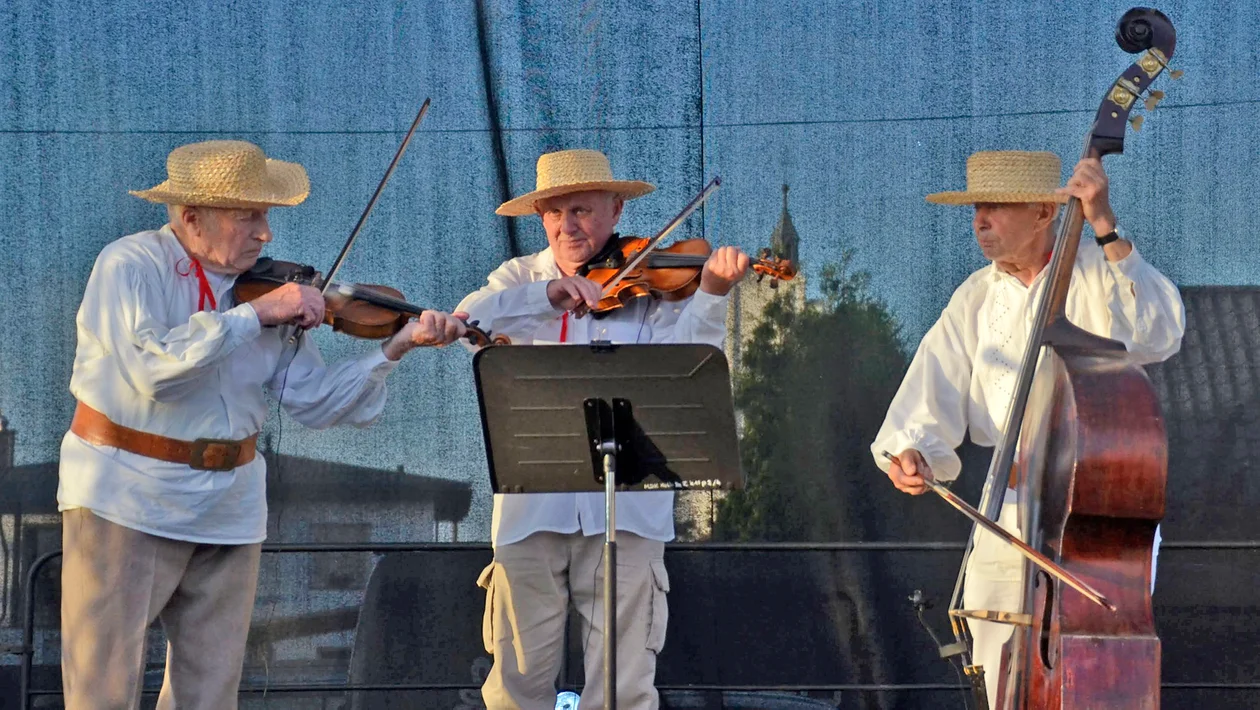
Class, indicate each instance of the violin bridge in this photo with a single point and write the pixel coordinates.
(997, 617)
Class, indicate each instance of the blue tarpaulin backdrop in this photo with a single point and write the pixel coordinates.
(862, 107)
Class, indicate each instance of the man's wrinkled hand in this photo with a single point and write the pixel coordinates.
(572, 291)
(290, 304)
(431, 329)
(908, 472)
(1089, 184)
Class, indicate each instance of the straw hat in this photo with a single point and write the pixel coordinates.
(228, 174)
(569, 171)
(1007, 176)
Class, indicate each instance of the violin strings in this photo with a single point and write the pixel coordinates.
(375, 298)
(678, 259)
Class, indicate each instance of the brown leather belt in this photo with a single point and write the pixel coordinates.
(202, 454)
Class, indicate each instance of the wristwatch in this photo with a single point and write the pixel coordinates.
(1109, 237)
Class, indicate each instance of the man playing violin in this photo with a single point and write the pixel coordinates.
(548, 546)
(162, 493)
(963, 375)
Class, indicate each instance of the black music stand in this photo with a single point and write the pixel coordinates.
(603, 417)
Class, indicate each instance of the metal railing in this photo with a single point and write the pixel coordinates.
(27, 649)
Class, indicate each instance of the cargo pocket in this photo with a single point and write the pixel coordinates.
(660, 607)
(486, 581)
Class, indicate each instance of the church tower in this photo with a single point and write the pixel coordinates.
(7, 439)
(749, 298)
(784, 243)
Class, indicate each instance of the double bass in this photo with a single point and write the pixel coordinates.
(1085, 438)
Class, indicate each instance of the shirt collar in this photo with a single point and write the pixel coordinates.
(177, 248)
(542, 263)
(997, 275)
(219, 282)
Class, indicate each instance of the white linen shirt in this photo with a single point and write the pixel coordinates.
(514, 303)
(149, 359)
(965, 369)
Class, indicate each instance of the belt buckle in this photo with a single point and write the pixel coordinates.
(214, 454)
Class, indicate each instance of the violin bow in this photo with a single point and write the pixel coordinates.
(354, 233)
(326, 281)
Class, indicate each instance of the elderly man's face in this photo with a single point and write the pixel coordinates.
(226, 241)
(1012, 232)
(578, 225)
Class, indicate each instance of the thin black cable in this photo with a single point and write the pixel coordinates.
(590, 625)
(642, 321)
(652, 127)
(284, 383)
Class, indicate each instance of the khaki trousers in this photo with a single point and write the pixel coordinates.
(116, 581)
(528, 590)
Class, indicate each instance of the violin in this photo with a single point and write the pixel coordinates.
(632, 267)
(671, 273)
(368, 311)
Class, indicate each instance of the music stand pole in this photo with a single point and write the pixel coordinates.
(609, 448)
(607, 440)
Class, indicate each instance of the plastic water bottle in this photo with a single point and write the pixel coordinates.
(568, 700)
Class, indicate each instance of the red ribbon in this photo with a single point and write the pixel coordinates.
(203, 286)
(564, 327)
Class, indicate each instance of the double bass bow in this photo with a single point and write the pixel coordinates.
(1091, 471)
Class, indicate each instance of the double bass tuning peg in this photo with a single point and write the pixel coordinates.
(1153, 99)
(1176, 74)
(1136, 122)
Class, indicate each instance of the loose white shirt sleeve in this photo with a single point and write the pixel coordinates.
(963, 374)
(514, 303)
(149, 359)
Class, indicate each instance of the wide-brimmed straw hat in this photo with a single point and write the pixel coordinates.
(1007, 176)
(228, 174)
(568, 171)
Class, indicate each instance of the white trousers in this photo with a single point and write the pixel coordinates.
(994, 583)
